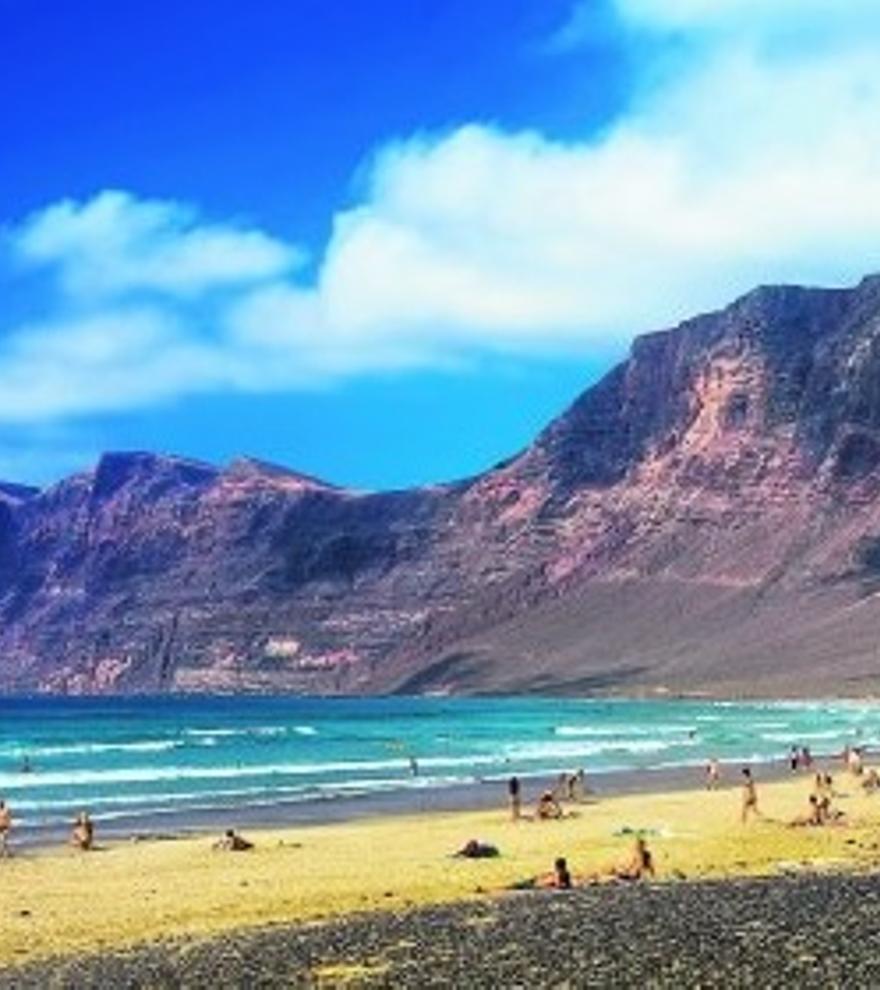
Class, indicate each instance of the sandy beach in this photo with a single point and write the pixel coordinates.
(58, 904)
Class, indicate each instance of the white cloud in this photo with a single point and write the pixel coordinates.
(753, 16)
(739, 167)
(115, 360)
(115, 244)
(741, 171)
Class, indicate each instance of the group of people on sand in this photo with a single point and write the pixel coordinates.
(800, 758)
(820, 810)
(82, 835)
(568, 787)
(639, 866)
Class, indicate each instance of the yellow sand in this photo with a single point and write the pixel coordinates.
(60, 901)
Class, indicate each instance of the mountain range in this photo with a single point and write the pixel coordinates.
(705, 520)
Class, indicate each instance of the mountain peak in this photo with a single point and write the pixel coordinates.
(118, 468)
(15, 493)
(252, 469)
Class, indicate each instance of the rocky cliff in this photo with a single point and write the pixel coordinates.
(706, 518)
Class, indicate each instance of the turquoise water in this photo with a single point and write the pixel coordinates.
(127, 758)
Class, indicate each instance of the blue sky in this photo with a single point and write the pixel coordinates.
(385, 241)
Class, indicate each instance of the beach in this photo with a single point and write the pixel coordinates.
(807, 932)
(59, 905)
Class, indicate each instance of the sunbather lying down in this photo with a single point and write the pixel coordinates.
(475, 849)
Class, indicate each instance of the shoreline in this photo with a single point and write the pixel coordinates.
(481, 795)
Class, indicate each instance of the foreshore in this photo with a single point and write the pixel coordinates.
(479, 795)
(57, 903)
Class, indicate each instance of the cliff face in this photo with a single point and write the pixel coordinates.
(705, 518)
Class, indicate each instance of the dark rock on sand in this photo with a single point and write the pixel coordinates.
(799, 932)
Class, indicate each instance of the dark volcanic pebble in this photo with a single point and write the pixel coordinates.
(796, 932)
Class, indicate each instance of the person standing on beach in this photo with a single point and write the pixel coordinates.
(749, 796)
(83, 835)
(794, 758)
(580, 785)
(713, 774)
(513, 793)
(5, 828)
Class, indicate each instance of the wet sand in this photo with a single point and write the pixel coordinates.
(480, 795)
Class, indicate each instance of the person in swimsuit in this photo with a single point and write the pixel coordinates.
(548, 807)
(713, 775)
(5, 828)
(581, 789)
(813, 817)
(749, 796)
(515, 798)
(83, 835)
(640, 866)
(231, 841)
(560, 878)
(475, 849)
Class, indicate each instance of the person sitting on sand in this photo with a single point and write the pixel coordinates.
(5, 828)
(548, 807)
(829, 815)
(749, 796)
(640, 865)
(560, 878)
(813, 817)
(474, 849)
(871, 782)
(83, 835)
(231, 841)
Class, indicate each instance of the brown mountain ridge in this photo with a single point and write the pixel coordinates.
(704, 519)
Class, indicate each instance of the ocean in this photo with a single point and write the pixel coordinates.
(138, 762)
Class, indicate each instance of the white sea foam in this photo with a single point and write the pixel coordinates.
(305, 730)
(568, 750)
(146, 775)
(798, 735)
(592, 731)
(92, 748)
(616, 731)
(115, 806)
